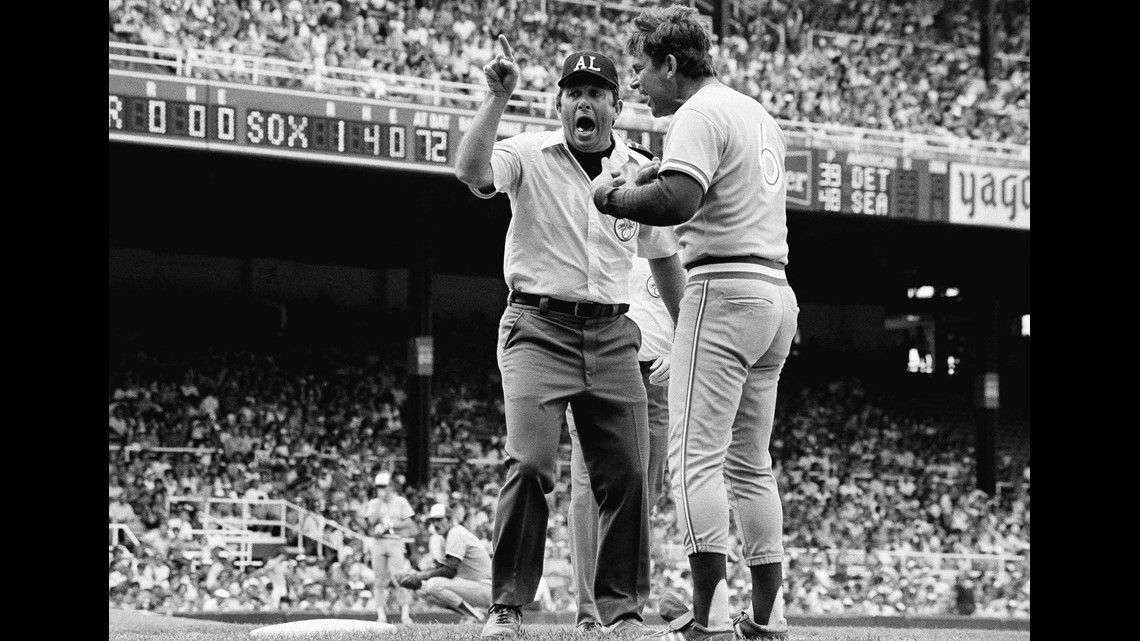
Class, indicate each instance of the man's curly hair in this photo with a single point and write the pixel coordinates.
(676, 30)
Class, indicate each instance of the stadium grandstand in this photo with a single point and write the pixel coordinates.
(301, 294)
(908, 67)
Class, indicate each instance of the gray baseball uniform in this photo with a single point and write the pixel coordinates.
(388, 549)
(472, 581)
(738, 318)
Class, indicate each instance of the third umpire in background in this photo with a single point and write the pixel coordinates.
(721, 183)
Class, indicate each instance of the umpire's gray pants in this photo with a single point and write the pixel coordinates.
(583, 519)
(549, 360)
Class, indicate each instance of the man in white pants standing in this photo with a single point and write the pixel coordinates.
(389, 517)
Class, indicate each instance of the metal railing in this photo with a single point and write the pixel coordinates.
(119, 531)
(937, 561)
(843, 39)
(129, 54)
(239, 524)
(905, 143)
(624, 7)
(365, 83)
(230, 522)
(370, 84)
(135, 448)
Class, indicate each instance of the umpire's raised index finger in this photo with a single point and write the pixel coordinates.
(506, 47)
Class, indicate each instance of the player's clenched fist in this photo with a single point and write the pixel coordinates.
(502, 73)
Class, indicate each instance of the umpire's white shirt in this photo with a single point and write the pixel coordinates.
(558, 244)
(649, 312)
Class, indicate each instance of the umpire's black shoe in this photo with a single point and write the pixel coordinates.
(503, 622)
(747, 629)
(588, 627)
(685, 628)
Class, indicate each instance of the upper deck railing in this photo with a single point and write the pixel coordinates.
(366, 83)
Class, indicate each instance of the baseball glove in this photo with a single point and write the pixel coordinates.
(409, 580)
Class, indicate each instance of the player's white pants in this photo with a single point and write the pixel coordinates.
(389, 556)
(733, 336)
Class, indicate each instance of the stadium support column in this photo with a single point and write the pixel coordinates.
(986, 37)
(987, 393)
(722, 15)
(716, 12)
(420, 365)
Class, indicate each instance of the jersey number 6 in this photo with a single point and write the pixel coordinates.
(771, 168)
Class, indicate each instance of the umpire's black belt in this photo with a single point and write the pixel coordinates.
(581, 310)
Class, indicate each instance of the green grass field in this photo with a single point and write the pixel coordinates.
(141, 626)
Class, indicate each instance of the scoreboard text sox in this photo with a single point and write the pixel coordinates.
(288, 131)
(195, 113)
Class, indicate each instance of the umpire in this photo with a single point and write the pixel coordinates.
(564, 338)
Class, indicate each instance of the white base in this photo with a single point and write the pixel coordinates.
(310, 627)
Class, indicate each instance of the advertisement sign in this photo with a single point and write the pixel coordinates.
(996, 196)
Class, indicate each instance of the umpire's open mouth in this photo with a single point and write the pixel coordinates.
(584, 125)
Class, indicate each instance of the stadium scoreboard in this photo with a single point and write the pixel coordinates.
(231, 117)
(189, 113)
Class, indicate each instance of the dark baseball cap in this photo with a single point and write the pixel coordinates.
(589, 62)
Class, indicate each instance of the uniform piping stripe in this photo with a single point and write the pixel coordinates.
(749, 268)
(687, 414)
(745, 275)
(688, 169)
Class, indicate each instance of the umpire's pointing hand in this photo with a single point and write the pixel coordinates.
(502, 73)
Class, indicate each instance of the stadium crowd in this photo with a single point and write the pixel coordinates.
(872, 498)
(908, 65)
